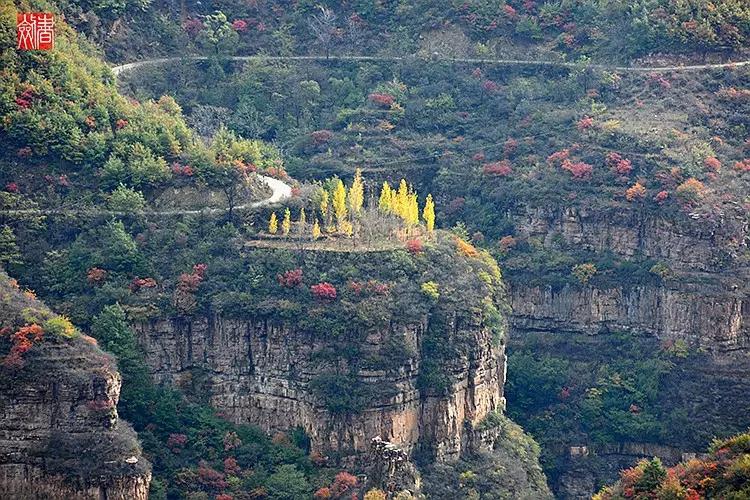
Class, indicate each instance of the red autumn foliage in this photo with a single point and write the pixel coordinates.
(655, 79)
(96, 275)
(558, 156)
(324, 291)
(743, 166)
(24, 152)
(22, 340)
(239, 25)
(63, 181)
(381, 99)
(210, 477)
(509, 11)
(321, 136)
(176, 442)
(501, 168)
(414, 246)
(26, 98)
(579, 169)
(564, 393)
(193, 26)
(11, 187)
(634, 409)
(476, 73)
(712, 163)
(342, 483)
(290, 279)
(139, 283)
(478, 156)
(90, 121)
(661, 196)
(121, 124)
(490, 86)
(187, 285)
(231, 466)
(185, 170)
(585, 123)
(620, 165)
(224, 496)
(323, 493)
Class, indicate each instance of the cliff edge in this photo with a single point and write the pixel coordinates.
(60, 435)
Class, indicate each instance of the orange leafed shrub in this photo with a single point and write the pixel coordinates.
(22, 341)
(342, 483)
(323, 493)
(466, 248)
(506, 243)
(690, 190)
(712, 163)
(635, 192)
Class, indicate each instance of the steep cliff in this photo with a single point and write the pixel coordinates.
(665, 321)
(261, 373)
(702, 299)
(60, 436)
(386, 357)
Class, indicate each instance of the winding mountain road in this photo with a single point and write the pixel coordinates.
(280, 191)
(117, 70)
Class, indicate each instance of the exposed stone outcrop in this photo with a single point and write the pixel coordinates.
(688, 245)
(706, 303)
(708, 319)
(260, 372)
(60, 435)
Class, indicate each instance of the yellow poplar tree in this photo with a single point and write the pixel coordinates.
(401, 201)
(356, 194)
(286, 224)
(273, 224)
(316, 230)
(385, 203)
(324, 204)
(339, 204)
(412, 212)
(428, 214)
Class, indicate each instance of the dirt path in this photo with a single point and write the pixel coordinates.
(117, 70)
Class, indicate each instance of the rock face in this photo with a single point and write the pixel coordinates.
(60, 435)
(706, 302)
(719, 323)
(261, 373)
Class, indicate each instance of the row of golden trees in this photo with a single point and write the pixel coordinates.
(342, 210)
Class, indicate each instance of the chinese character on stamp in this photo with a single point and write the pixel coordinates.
(36, 30)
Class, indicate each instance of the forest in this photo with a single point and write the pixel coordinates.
(567, 182)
